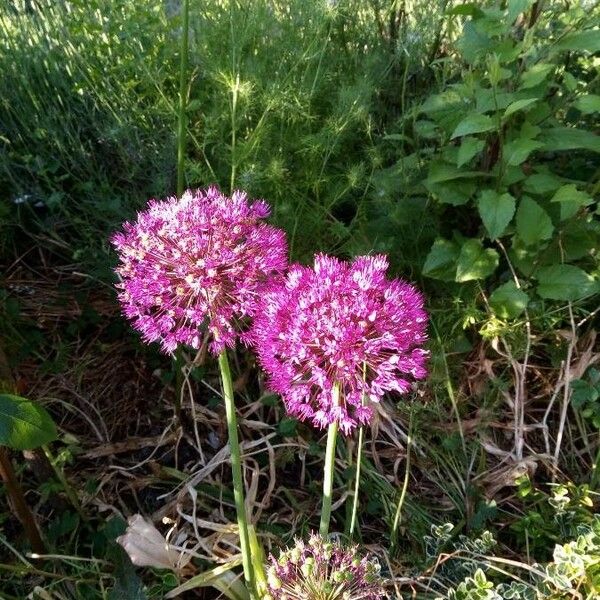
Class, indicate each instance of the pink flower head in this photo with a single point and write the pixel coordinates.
(322, 569)
(196, 262)
(340, 326)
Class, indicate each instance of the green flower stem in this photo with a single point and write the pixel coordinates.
(329, 469)
(361, 434)
(181, 138)
(397, 517)
(236, 469)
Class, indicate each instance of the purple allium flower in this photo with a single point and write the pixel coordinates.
(340, 325)
(196, 262)
(323, 570)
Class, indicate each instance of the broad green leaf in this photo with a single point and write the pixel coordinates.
(590, 103)
(571, 200)
(496, 211)
(533, 223)
(587, 40)
(468, 9)
(456, 193)
(569, 138)
(24, 424)
(579, 238)
(516, 7)
(440, 172)
(469, 147)
(475, 261)
(519, 105)
(541, 183)
(473, 42)
(517, 151)
(473, 123)
(564, 282)
(536, 74)
(508, 301)
(441, 260)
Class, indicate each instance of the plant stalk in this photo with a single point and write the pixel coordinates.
(236, 470)
(329, 468)
(361, 434)
(181, 120)
(22, 512)
(181, 145)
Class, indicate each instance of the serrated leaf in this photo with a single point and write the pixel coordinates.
(508, 301)
(441, 260)
(473, 123)
(557, 139)
(541, 183)
(564, 282)
(24, 424)
(571, 200)
(496, 211)
(517, 151)
(475, 261)
(440, 172)
(533, 223)
(469, 147)
(587, 104)
(536, 74)
(519, 105)
(587, 40)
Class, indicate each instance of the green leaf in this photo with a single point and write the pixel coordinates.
(519, 105)
(469, 147)
(517, 151)
(24, 424)
(536, 74)
(516, 7)
(222, 578)
(475, 261)
(496, 211)
(441, 260)
(473, 123)
(440, 172)
(564, 282)
(468, 9)
(587, 40)
(541, 183)
(571, 200)
(508, 301)
(587, 104)
(568, 138)
(533, 223)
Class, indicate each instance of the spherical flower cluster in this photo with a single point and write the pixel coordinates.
(196, 263)
(336, 337)
(323, 570)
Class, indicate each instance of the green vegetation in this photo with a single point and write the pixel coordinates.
(461, 139)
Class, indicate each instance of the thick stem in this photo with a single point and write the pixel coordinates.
(236, 470)
(329, 469)
(181, 121)
(14, 491)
